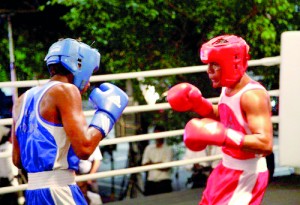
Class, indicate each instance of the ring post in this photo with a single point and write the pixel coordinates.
(289, 109)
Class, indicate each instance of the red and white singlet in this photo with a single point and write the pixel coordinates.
(241, 177)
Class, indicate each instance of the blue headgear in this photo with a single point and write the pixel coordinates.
(80, 59)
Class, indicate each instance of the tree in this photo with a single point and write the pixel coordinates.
(155, 34)
(33, 32)
(137, 35)
(142, 35)
(145, 35)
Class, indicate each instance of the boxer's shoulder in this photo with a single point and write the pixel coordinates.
(63, 91)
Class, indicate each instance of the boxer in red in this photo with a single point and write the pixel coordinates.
(240, 124)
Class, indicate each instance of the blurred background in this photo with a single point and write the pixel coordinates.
(135, 36)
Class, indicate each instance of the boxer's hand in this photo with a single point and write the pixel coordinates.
(186, 97)
(201, 132)
(110, 102)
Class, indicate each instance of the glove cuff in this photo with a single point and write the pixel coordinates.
(205, 108)
(234, 139)
(103, 122)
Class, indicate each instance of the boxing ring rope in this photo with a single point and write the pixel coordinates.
(132, 75)
(125, 171)
(134, 109)
(152, 73)
(139, 108)
(118, 172)
(142, 137)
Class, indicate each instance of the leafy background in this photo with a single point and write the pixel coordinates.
(144, 35)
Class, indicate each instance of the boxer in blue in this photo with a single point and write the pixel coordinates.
(50, 132)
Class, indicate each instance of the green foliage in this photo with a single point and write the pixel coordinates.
(4, 59)
(147, 35)
(137, 35)
(131, 36)
(29, 58)
(31, 38)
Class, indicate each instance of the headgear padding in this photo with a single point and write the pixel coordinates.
(231, 53)
(79, 58)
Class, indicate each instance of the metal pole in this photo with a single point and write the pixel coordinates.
(12, 59)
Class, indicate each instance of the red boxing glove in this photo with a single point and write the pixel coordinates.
(186, 97)
(201, 132)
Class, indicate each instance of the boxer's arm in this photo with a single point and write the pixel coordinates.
(257, 109)
(215, 113)
(186, 97)
(16, 157)
(198, 133)
(68, 102)
(110, 102)
(16, 149)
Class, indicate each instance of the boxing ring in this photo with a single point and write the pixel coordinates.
(287, 60)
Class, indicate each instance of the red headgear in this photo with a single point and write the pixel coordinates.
(231, 53)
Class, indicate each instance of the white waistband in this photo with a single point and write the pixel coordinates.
(251, 165)
(40, 180)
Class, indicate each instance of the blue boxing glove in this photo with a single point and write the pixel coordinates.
(110, 102)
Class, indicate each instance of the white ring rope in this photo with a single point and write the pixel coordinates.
(117, 172)
(270, 61)
(130, 170)
(152, 73)
(136, 138)
(139, 108)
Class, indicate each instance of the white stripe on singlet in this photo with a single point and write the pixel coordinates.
(48, 179)
(251, 168)
(250, 165)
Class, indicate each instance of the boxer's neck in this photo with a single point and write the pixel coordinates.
(62, 78)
